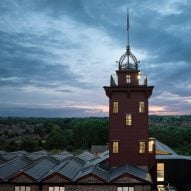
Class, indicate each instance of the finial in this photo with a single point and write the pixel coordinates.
(128, 61)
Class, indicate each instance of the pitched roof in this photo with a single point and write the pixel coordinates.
(10, 168)
(132, 170)
(86, 156)
(40, 165)
(41, 168)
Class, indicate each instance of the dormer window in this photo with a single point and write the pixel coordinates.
(128, 78)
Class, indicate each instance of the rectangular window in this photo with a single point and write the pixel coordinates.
(28, 188)
(56, 188)
(141, 147)
(115, 147)
(128, 119)
(22, 188)
(160, 171)
(151, 145)
(125, 188)
(17, 188)
(128, 78)
(141, 107)
(115, 107)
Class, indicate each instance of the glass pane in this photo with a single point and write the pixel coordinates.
(28, 188)
(131, 188)
(141, 107)
(119, 189)
(22, 188)
(50, 189)
(62, 188)
(160, 171)
(128, 119)
(17, 188)
(115, 107)
(56, 188)
(125, 189)
(128, 78)
(151, 146)
(142, 147)
(160, 166)
(115, 147)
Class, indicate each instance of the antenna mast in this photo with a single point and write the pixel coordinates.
(128, 45)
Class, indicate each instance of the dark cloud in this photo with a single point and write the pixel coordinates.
(65, 91)
(26, 65)
(162, 30)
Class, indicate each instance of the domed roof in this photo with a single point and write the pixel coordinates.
(128, 61)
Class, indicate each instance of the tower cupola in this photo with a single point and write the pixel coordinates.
(128, 61)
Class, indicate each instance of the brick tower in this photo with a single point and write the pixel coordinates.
(129, 142)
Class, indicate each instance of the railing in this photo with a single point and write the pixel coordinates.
(142, 79)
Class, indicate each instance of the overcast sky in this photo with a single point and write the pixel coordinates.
(56, 55)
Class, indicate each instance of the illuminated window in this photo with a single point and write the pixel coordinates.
(151, 144)
(115, 107)
(128, 78)
(28, 188)
(128, 119)
(141, 147)
(160, 171)
(22, 188)
(56, 188)
(141, 107)
(125, 188)
(115, 147)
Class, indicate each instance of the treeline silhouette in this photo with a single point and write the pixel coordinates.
(77, 134)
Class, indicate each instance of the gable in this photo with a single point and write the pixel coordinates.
(22, 178)
(90, 179)
(56, 178)
(126, 179)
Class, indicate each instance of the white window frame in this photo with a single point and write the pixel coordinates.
(128, 78)
(22, 188)
(56, 188)
(125, 188)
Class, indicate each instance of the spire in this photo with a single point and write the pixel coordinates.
(128, 28)
(128, 61)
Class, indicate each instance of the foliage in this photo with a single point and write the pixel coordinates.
(74, 134)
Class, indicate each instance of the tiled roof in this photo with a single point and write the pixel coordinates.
(132, 170)
(86, 156)
(41, 168)
(10, 168)
(40, 165)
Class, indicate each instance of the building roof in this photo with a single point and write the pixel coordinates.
(132, 170)
(164, 148)
(41, 165)
(10, 168)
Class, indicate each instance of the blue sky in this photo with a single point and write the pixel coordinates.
(56, 55)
